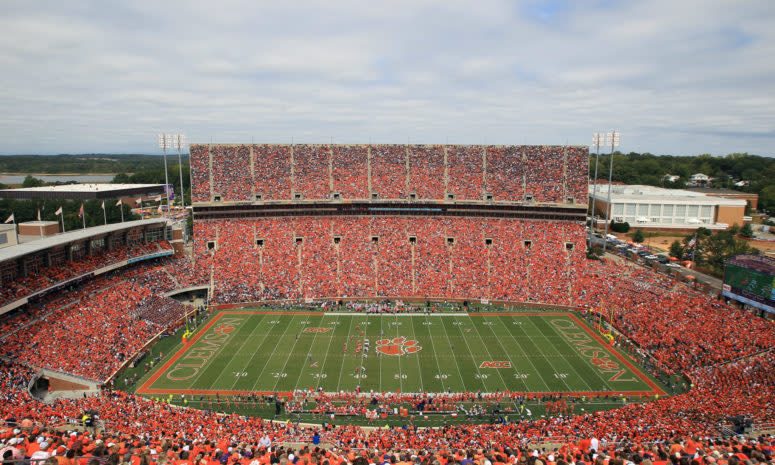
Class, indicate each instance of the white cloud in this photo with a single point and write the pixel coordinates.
(675, 77)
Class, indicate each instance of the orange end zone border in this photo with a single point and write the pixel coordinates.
(146, 387)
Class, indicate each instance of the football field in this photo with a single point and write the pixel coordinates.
(238, 352)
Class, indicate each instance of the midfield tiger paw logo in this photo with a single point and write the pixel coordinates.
(223, 329)
(397, 346)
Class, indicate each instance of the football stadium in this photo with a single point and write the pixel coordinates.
(374, 304)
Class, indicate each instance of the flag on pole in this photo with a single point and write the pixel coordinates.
(118, 204)
(38, 214)
(59, 211)
(140, 201)
(11, 219)
(103, 205)
(80, 212)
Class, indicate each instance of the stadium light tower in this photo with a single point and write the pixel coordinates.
(165, 140)
(597, 139)
(612, 138)
(179, 141)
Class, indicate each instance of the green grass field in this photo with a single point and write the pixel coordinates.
(266, 352)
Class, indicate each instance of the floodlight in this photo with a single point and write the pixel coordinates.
(612, 139)
(164, 141)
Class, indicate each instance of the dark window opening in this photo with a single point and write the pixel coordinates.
(450, 241)
(569, 246)
(259, 197)
(528, 244)
(216, 198)
(412, 196)
(335, 195)
(210, 245)
(450, 196)
(488, 242)
(528, 198)
(375, 239)
(297, 196)
(260, 242)
(374, 196)
(412, 239)
(337, 239)
(488, 197)
(299, 240)
(569, 200)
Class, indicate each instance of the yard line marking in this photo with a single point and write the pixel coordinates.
(459, 372)
(417, 358)
(435, 357)
(306, 359)
(279, 341)
(484, 344)
(529, 359)
(576, 353)
(249, 338)
(400, 377)
(325, 357)
(473, 360)
(214, 356)
(543, 354)
(508, 353)
(290, 352)
(341, 366)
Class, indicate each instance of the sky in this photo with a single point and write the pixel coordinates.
(674, 77)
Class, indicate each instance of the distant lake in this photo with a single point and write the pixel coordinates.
(85, 178)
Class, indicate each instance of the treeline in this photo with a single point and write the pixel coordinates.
(27, 210)
(648, 169)
(83, 164)
(710, 251)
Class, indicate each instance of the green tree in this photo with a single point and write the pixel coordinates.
(31, 181)
(746, 230)
(638, 236)
(620, 227)
(676, 249)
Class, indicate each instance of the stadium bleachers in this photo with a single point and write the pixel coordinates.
(391, 256)
(724, 352)
(543, 174)
(21, 286)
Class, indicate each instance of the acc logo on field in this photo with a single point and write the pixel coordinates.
(397, 346)
(316, 330)
(500, 364)
(224, 329)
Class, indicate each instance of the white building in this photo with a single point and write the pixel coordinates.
(655, 207)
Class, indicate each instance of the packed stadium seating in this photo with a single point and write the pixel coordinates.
(309, 257)
(48, 276)
(234, 173)
(722, 351)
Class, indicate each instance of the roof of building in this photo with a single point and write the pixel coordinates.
(719, 190)
(18, 251)
(82, 191)
(639, 194)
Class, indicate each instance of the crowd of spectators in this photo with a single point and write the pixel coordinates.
(231, 172)
(89, 332)
(546, 174)
(311, 172)
(318, 257)
(426, 171)
(272, 180)
(199, 159)
(349, 171)
(17, 287)
(465, 172)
